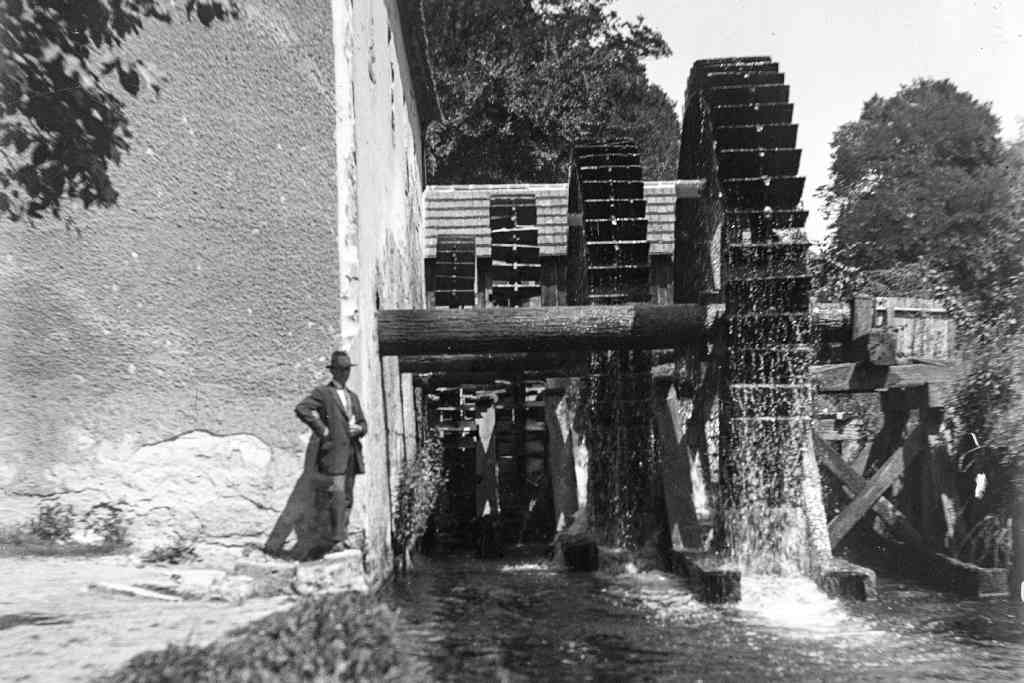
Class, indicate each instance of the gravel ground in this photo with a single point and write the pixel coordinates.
(53, 628)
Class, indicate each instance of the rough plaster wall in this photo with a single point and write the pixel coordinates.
(383, 191)
(207, 300)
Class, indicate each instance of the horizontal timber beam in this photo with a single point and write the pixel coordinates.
(503, 363)
(845, 378)
(548, 328)
(457, 333)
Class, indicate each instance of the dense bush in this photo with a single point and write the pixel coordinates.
(107, 520)
(341, 637)
(53, 522)
(181, 550)
(419, 484)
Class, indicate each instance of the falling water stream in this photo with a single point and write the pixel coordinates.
(524, 619)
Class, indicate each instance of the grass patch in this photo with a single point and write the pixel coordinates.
(22, 542)
(49, 533)
(341, 637)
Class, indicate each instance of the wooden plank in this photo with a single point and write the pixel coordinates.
(850, 478)
(676, 472)
(863, 501)
(876, 346)
(864, 377)
(862, 318)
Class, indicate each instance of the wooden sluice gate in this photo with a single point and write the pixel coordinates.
(681, 311)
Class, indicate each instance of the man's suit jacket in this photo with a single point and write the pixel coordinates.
(322, 410)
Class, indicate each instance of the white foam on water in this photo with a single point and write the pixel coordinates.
(796, 605)
(526, 567)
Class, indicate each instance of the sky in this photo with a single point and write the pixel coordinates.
(836, 55)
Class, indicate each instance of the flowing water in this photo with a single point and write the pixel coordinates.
(525, 619)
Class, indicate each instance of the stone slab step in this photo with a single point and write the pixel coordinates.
(335, 573)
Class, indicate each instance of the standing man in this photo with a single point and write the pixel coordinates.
(333, 412)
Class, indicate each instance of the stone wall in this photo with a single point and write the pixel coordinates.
(153, 353)
(380, 183)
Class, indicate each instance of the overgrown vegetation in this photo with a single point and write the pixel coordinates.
(181, 550)
(927, 200)
(63, 121)
(53, 522)
(107, 520)
(341, 637)
(519, 81)
(52, 529)
(420, 483)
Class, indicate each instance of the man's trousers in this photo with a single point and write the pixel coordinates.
(335, 493)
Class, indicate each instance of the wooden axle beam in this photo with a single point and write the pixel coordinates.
(563, 363)
(548, 328)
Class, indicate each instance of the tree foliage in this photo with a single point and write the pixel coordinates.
(63, 121)
(519, 81)
(923, 179)
(927, 200)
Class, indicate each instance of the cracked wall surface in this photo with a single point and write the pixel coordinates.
(209, 300)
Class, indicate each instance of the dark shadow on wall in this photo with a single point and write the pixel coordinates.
(305, 513)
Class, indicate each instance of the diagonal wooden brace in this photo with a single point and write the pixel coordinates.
(867, 494)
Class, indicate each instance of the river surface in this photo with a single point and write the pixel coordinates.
(524, 619)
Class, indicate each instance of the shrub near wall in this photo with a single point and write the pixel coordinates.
(343, 637)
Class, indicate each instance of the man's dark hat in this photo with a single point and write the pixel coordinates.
(340, 359)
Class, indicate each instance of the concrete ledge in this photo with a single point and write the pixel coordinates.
(712, 577)
(841, 579)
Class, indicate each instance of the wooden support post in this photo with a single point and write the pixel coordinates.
(676, 468)
(1016, 578)
(926, 479)
(818, 542)
(916, 557)
(486, 461)
(552, 281)
(853, 481)
(882, 479)
(561, 468)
